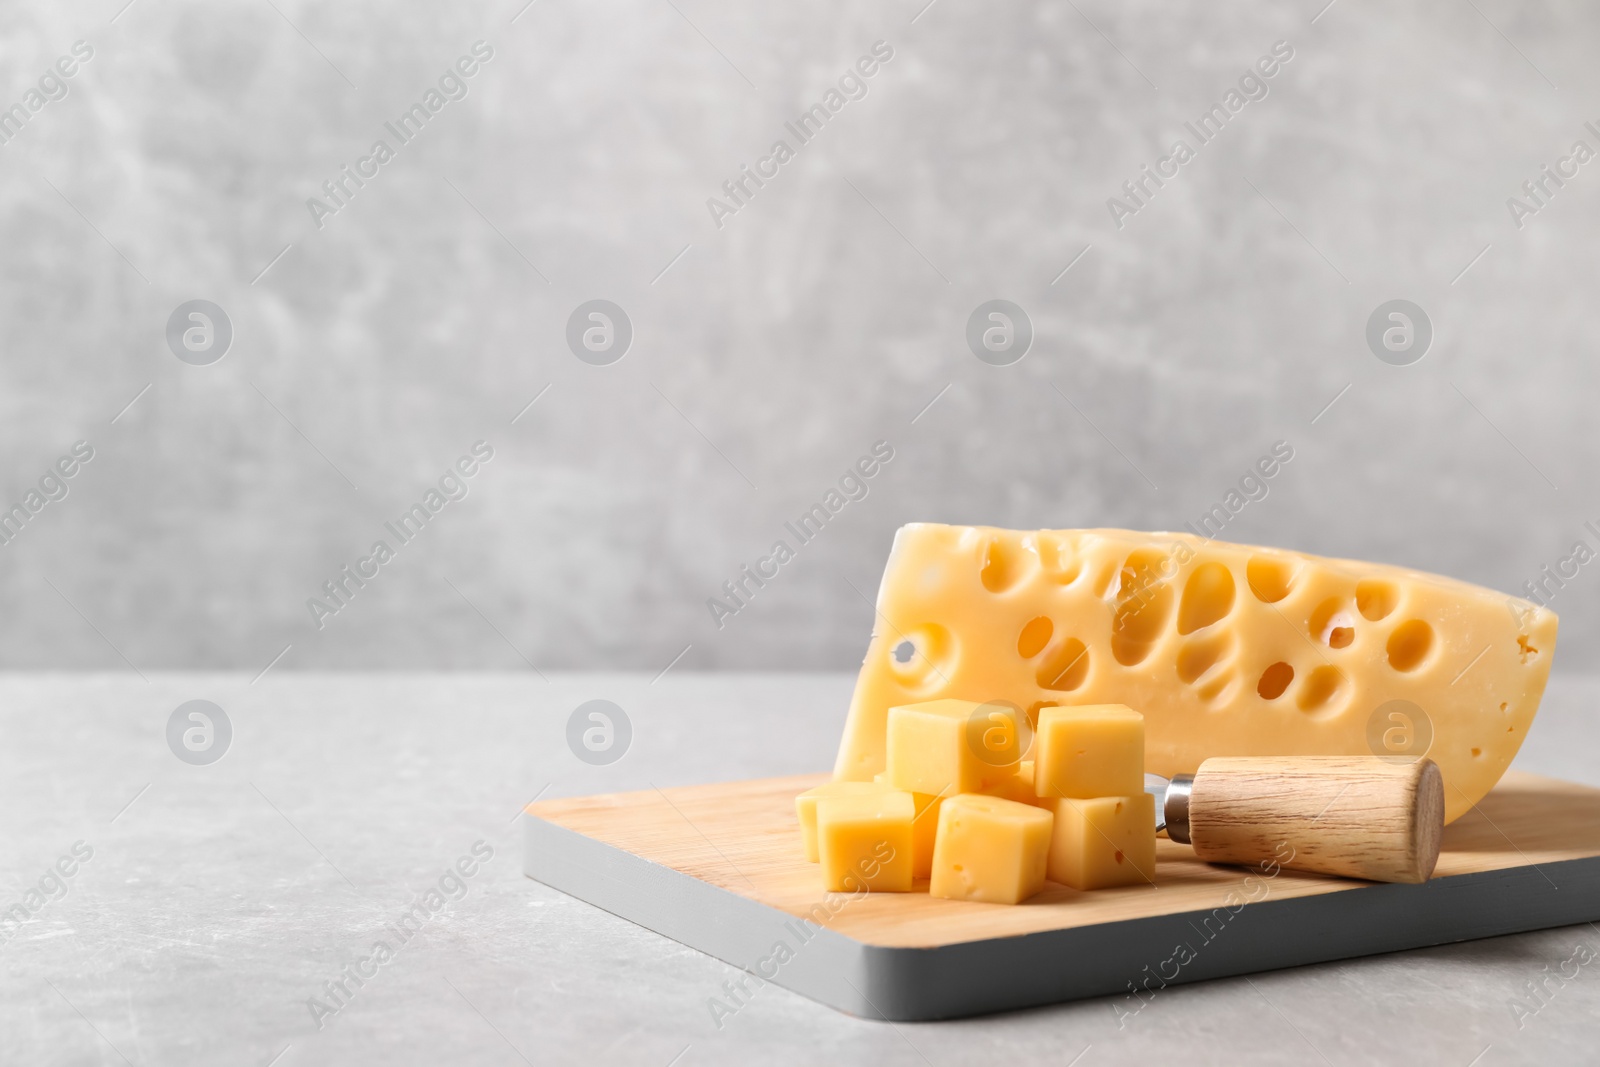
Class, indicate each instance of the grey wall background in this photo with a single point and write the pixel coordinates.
(824, 316)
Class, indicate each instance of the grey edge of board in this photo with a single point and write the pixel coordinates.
(1003, 974)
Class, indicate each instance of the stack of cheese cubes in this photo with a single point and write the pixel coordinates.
(957, 805)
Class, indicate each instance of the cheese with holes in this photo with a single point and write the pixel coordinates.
(990, 849)
(1103, 842)
(1227, 650)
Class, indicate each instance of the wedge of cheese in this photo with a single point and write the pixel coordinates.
(1227, 650)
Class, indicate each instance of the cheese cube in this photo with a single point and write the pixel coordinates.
(951, 746)
(1107, 841)
(805, 806)
(990, 850)
(1089, 751)
(864, 841)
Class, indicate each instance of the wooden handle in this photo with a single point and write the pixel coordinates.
(1370, 817)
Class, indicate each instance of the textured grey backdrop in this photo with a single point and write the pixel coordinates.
(768, 354)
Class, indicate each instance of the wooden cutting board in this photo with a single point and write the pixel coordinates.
(719, 868)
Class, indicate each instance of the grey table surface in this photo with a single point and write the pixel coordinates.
(220, 900)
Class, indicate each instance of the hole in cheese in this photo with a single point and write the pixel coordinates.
(1199, 654)
(1274, 680)
(1056, 558)
(1137, 624)
(1034, 637)
(1065, 668)
(1107, 581)
(1004, 565)
(1332, 623)
(1269, 577)
(932, 658)
(1143, 567)
(1144, 603)
(1525, 651)
(1376, 599)
(1217, 686)
(1207, 597)
(1322, 690)
(1410, 644)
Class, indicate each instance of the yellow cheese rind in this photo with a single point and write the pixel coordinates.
(989, 849)
(1227, 650)
(864, 841)
(1095, 750)
(1103, 842)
